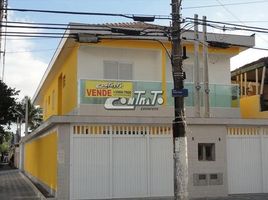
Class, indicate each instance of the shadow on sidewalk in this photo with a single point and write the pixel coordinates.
(5, 166)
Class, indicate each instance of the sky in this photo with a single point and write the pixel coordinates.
(27, 59)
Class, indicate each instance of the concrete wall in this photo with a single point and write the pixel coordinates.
(162, 111)
(146, 62)
(147, 65)
(251, 108)
(207, 134)
(59, 96)
(63, 155)
(40, 160)
(218, 65)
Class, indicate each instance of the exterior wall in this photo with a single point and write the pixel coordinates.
(90, 61)
(153, 58)
(40, 160)
(207, 134)
(168, 111)
(63, 166)
(218, 64)
(250, 108)
(60, 97)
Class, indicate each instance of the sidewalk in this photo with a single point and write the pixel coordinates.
(13, 185)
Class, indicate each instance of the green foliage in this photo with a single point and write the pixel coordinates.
(7, 104)
(7, 107)
(4, 147)
(4, 135)
(34, 113)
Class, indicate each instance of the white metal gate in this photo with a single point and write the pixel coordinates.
(247, 160)
(121, 161)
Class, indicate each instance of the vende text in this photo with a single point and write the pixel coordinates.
(99, 92)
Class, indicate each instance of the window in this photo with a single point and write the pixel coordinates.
(63, 81)
(206, 151)
(117, 70)
(53, 99)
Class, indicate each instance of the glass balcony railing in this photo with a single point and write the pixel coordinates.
(220, 95)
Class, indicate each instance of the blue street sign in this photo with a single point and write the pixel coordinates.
(180, 93)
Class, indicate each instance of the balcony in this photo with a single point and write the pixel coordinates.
(221, 96)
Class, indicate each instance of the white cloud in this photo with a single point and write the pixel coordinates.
(23, 70)
(251, 55)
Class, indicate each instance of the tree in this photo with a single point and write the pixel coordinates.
(34, 113)
(7, 107)
(7, 104)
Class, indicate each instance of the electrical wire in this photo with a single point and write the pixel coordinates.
(227, 4)
(37, 36)
(189, 19)
(129, 16)
(90, 28)
(34, 33)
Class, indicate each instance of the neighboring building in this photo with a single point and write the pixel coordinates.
(253, 82)
(91, 148)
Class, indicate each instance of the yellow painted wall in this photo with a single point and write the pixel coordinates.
(41, 159)
(250, 108)
(68, 69)
(69, 91)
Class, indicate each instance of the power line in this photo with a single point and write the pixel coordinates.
(54, 28)
(129, 16)
(85, 27)
(37, 36)
(35, 33)
(227, 4)
(231, 13)
(189, 19)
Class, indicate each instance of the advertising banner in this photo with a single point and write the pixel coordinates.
(99, 89)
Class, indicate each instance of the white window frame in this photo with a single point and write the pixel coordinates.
(118, 69)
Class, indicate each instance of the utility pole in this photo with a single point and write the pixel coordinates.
(197, 101)
(206, 77)
(3, 17)
(1, 24)
(179, 133)
(26, 115)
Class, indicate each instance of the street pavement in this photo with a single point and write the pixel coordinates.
(13, 185)
(239, 197)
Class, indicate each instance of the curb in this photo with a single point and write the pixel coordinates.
(36, 190)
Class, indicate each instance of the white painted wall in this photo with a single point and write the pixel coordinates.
(219, 68)
(207, 134)
(146, 62)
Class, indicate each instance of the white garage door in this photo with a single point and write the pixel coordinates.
(247, 160)
(121, 162)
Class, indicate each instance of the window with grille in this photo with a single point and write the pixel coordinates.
(117, 70)
(206, 151)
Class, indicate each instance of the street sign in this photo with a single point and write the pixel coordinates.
(180, 93)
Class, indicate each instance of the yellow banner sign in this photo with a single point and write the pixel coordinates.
(108, 89)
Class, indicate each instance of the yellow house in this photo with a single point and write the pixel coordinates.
(108, 111)
(252, 80)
